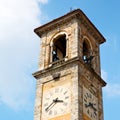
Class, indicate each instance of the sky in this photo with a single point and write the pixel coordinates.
(20, 47)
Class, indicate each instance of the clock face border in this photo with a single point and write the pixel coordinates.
(59, 91)
(90, 105)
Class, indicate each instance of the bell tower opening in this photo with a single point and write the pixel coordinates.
(59, 48)
(87, 50)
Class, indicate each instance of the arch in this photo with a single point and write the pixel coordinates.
(58, 46)
(87, 41)
(87, 50)
(56, 35)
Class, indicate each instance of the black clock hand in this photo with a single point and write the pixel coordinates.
(49, 106)
(58, 101)
(92, 106)
(53, 102)
(87, 105)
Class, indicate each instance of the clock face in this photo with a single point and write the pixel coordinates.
(56, 101)
(90, 104)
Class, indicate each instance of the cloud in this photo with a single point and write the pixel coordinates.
(19, 49)
(112, 90)
(104, 74)
(112, 42)
(43, 1)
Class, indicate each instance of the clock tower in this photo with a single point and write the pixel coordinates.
(68, 81)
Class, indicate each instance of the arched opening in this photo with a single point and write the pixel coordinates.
(85, 48)
(59, 48)
(87, 52)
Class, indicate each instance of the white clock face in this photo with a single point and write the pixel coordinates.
(90, 104)
(56, 102)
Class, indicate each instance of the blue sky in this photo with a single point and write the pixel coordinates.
(19, 51)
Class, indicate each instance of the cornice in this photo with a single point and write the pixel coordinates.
(76, 61)
(49, 69)
(56, 23)
(76, 14)
(92, 30)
